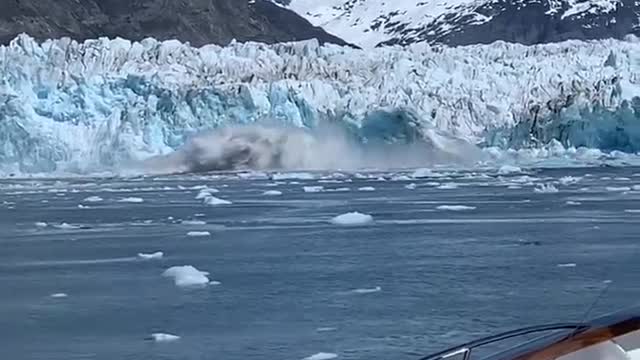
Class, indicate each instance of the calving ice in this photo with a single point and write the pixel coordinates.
(109, 104)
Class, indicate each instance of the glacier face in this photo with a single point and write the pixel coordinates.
(102, 103)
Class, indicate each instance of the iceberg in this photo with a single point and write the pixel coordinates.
(108, 104)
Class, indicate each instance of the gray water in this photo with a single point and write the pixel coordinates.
(288, 275)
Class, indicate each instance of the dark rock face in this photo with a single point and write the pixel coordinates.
(199, 22)
(527, 22)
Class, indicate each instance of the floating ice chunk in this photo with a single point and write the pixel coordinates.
(80, 206)
(546, 189)
(448, 186)
(213, 201)
(622, 179)
(272, 193)
(352, 218)
(632, 211)
(162, 337)
(59, 295)
(567, 265)
(341, 189)
(193, 222)
(41, 224)
(151, 256)
(293, 176)
(410, 186)
(187, 275)
(321, 356)
(617, 188)
(568, 180)
(635, 187)
(325, 329)
(133, 200)
(198, 233)
(205, 193)
(65, 226)
(422, 173)
(455, 207)
(509, 169)
(400, 178)
(366, 290)
(514, 187)
(367, 188)
(569, 202)
(313, 189)
(93, 199)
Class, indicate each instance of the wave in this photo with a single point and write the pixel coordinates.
(107, 104)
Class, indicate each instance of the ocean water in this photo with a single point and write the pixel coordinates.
(447, 257)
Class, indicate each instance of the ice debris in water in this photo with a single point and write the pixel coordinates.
(321, 356)
(448, 186)
(205, 193)
(132, 200)
(400, 178)
(617, 188)
(293, 176)
(455, 207)
(568, 180)
(635, 188)
(93, 199)
(326, 328)
(312, 189)
(410, 186)
(509, 169)
(66, 226)
(162, 337)
(59, 295)
(151, 256)
(187, 275)
(352, 218)
(546, 189)
(213, 201)
(193, 222)
(367, 290)
(573, 203)
(567, 265)
(198, 233)
(272, 193)
(422, 173)
(367, 188)
(41, 224)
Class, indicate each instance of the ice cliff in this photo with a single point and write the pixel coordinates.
(92, 105)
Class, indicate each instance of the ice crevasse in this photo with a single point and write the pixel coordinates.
(87, 106)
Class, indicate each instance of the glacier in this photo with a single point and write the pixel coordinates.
(105, 103)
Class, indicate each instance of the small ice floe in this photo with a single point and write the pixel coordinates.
(340, 189)
(573, 203)
(151, 256)
(326, 329)
(66, 226)
(568, 180)
(213, 201)
(455, 207)
(617, 188)
(632, 211)
(514, 187)
(422, 173)
(162, 337)
(546, 189)
(321, 356)
(187, 275)
(448, 186)
(93, 199)
(80, 206)
(41, 224)
(622, 179)
(352, 218)
(509, 169)
(132, 200)
(272, 193)
(567, 265)
(312, 189)
(198, 233)
(58, 295)
(367, 188)
(193, 222)
(293, 176)
(635, 187)
(410, 186)
(400, 178)
(205, 193)
(367, 290)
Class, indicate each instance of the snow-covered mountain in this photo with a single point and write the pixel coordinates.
(369, 23)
